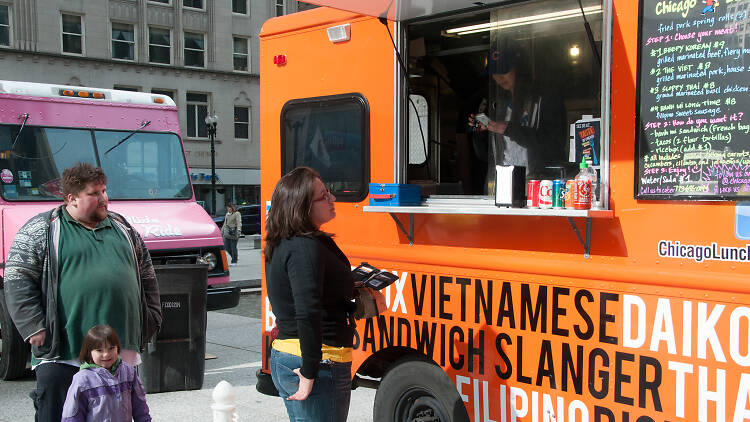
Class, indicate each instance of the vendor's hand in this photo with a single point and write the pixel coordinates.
(474, 123)
(379, 299)
(38, 338)
(304, 388)
(495, 127)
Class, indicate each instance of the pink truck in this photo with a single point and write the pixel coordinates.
(135, 137)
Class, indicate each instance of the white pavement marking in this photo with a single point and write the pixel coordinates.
(250, 290)
(257, 364)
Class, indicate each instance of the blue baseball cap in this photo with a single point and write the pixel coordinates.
(501, 61)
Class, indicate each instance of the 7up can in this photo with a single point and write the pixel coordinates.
(557, 193)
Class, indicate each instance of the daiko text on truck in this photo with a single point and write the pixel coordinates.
(513, 304)
(135, 138)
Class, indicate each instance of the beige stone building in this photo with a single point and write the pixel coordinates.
(202, 53)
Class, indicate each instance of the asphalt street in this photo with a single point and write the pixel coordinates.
(233, 336)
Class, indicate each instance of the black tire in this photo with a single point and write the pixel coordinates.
(14, 352)
(415, 389)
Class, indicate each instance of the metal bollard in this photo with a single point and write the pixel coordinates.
(223, 406)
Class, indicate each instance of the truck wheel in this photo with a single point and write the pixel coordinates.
(14, 352)
(417, 390)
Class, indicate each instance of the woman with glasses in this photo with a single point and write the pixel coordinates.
(310, 287)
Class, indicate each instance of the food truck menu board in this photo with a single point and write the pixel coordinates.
(694, 100)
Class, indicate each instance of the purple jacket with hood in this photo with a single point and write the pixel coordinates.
(97, 394)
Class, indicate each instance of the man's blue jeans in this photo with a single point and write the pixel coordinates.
(329, 399)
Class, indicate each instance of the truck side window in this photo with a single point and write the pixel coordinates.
(332, 135)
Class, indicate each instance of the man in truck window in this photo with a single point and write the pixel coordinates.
(73, 267)
(527, 128)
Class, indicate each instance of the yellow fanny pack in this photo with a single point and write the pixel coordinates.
(335, 354)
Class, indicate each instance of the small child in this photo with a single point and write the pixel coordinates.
(106, 388)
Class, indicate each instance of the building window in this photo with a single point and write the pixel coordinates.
(197, 110)
(241, 122)
(123, 41)
(72, 34)
(4, 25)
(159, 45)
(194, 49)
(195, 4)
(159, 1)
(239, 6)
(127, 88)
(240, 54)
(280, 7)
(169, 93)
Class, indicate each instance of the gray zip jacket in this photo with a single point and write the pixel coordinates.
(31, 281)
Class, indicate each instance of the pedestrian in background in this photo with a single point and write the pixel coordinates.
(73, 267)
(106, 388)
(231, 231)
(311, 288)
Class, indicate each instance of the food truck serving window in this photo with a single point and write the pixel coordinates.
(693, 102)
(332, 135)
(531, 74)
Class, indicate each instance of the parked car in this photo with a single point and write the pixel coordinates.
(250, 218)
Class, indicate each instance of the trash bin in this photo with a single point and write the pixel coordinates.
(174, 359)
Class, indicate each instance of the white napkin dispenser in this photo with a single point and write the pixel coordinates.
(510, 186)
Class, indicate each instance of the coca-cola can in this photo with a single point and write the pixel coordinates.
(545, 194)
(532, 194)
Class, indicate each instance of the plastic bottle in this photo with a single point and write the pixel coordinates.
(595, 199)
(584, 186)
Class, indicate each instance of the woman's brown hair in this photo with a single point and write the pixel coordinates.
(291, 203)
(95, 338)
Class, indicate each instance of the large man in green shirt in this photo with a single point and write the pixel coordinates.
(74, 267)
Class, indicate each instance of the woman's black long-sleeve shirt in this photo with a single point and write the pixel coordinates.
(310, 287)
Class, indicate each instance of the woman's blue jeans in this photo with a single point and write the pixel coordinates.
(329, 399)
(231, 247)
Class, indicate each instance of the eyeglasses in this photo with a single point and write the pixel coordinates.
(328, 196)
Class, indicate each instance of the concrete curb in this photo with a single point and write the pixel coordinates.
(245, 284)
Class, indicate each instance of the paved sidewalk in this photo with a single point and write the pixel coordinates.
(237, 344)
(246, 273)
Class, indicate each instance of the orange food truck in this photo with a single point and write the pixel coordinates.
(449, 131)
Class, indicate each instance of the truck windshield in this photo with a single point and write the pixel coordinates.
(147, 166)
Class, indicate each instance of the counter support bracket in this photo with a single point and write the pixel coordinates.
(410, 234)
(587, 242)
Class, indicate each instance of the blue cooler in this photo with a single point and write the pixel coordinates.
(394, 194)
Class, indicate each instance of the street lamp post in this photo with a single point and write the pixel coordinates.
(211, 129)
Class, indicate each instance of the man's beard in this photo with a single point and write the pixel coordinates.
(98, 215)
